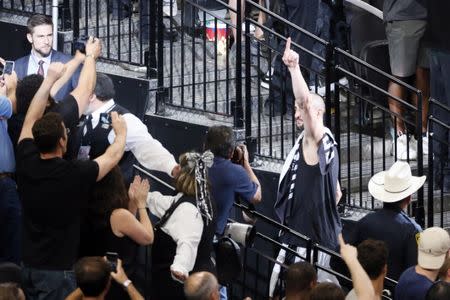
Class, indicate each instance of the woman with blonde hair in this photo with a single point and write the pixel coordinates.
(185, 231)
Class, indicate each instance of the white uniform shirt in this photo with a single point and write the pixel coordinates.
(148, 151)
(185, 226)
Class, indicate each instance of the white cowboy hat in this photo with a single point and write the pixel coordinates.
(395, 184)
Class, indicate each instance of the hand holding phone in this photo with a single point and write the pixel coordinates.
(112, 258)
(7, 68)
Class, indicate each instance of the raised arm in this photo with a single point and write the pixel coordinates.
(257, 197)
(39, 102)
(121, 278)
(361, 281)
(88, 75)
(291, 60)
(71, 67)
(114, 152)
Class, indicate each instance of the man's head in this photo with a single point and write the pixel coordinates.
(201, 286)
(317, 107)
(439, 291)
(25, 91)
(444, 272)
(220, 140)
(40, 34)
(372, 255)
(49, 134)
(396, 184)
(93, 276)
(433, 246)
(104, 91)
(11, 291)
(300, 278)
(327, 291)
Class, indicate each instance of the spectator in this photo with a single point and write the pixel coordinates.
(201, 286)
(94, 136)
(405, 27)
(301, 278)
(372, 255)
(327, 291)
(10, 273)
(93, 276)
(184, 234)
(439, 44)
(74, 104)
(229, 181)
(40, 36)
(439, 291)
(433, 245)
(444, 272)
(53, 192)
(391, 224)
(11, 291)
(361, 282)
(111, 224)
(309, 189)
(10, 208)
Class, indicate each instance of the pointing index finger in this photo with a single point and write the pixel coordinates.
(288, 45)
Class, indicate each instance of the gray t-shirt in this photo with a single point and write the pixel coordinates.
(402, 10)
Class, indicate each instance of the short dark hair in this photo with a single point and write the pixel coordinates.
(104, 87)
(327, 291)
(9, 291)
(299, 277)
(92, 274)
(372, 255)
(47, 131)
(25, 91)
(220, 140)
(440, 290)
(36, 20)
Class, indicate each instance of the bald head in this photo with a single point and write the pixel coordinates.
(201, 286)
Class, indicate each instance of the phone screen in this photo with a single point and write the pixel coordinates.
(112, 259)
(9, 67)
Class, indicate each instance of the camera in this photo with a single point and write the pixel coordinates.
(80, 44)
(112, 258)
(8, 68)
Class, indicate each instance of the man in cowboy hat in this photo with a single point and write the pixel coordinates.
(391, 224)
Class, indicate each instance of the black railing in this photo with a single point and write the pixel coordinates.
(191, 75)
(259, 260)
(438, 163)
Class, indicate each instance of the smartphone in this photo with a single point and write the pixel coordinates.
(112, 258)
(8, 68)
(105, 118)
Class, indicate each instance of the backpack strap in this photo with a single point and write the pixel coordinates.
(170, 211)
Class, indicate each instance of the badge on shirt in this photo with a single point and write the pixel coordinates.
(83, 153)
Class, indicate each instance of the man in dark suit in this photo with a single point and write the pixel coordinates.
(40, 36)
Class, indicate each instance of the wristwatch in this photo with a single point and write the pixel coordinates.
(126, 283)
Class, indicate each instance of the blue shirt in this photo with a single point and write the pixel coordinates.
(7, 161)
(397, 230)
(228, 180)
(412, 286)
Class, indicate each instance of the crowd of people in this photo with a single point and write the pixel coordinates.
(74, 213)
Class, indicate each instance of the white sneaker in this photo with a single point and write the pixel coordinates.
(166, 8)
(425, 144)
(402, 149)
